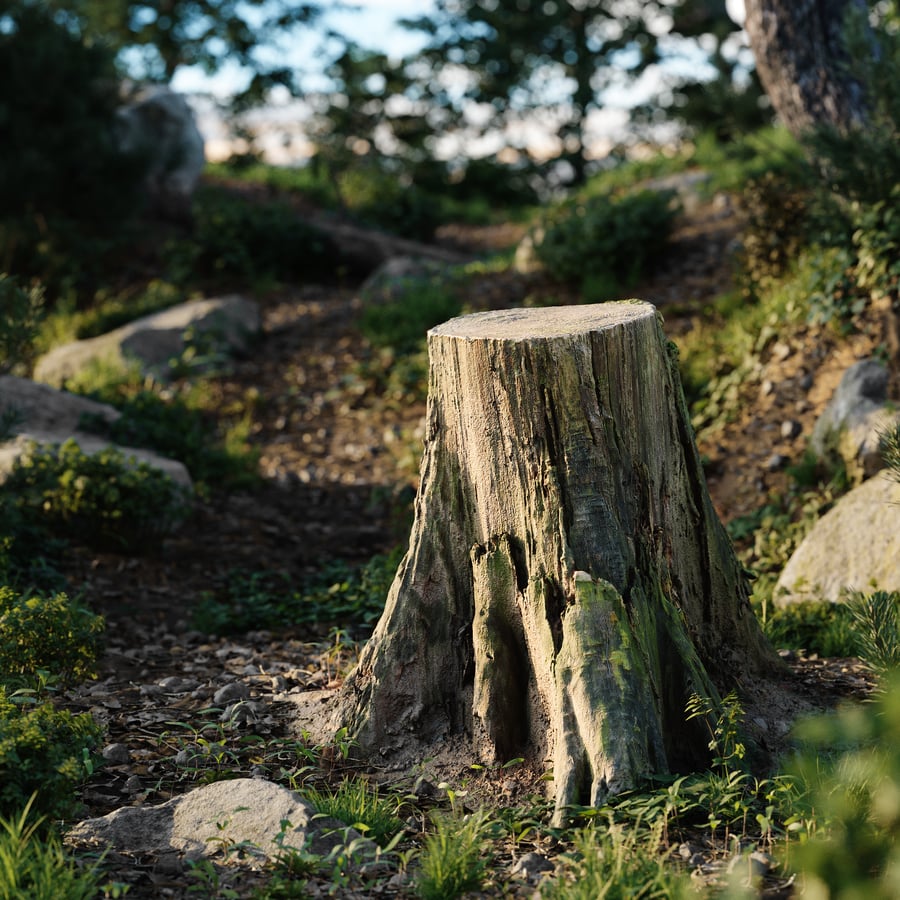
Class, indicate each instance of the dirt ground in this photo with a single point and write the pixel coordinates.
(337, 481)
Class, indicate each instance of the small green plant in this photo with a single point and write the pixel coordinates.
(814, 626)
(33, 863)
(51, 633)
(454, 857)
(356, 802)
(45, 753)
(103, 499)
(263, 599)
(876, 623)
(605, 244)
(617, 863)
(849, 767)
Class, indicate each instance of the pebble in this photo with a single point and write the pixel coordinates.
(790, 429)
(766, 388)
(237, 690)
(776, 461)
(133, 785)
(117, 754)
(781, 351)
(530, 866)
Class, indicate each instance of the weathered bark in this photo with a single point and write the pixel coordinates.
(568, 585)
(802, 61)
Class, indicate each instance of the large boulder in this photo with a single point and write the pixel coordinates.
(854, 546)
(258, 815)
(159, 125)
(219, 325)
(851, 426)
(39, 413)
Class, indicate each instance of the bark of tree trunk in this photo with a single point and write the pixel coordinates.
(801, 60)
(568, 584)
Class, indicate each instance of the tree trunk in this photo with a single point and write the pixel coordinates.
(568, 585)
(801, 60)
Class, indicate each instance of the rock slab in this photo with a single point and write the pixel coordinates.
(261, 816)
(47, 416)
(854, 546)
(229, 323)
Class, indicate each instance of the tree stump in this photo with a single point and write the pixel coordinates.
(568, 585)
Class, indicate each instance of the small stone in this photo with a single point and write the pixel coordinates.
(237, 690)
(776, 461)
(806, 382)
(781, 351)
(787, 654)
(151, 690)
(117, 754)
(766, 388)
(761, 723)
(133, 785)
(790, 429)
(242, 712)
(530, 867)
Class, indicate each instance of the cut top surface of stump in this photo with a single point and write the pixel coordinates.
(543, 322)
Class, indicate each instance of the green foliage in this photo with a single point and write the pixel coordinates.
(617, 863)
(175, 427)
(606, 244)
(236, 240)
(454, 857)
(34, 865)
(103, 500)
(389, 200)
(53, 633)
(402, 321)
(815, 626)
(19, 322)
(45, 752)
(356, 802)
(65, 188)
(339, 594)
(850, 770)
(776, 226)
(876, 623)
(876, 243)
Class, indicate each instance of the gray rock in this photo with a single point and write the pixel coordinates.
(200, 822)
(47, 416)
(116, 754)
(159, 124)
(853, 546)
(237, 690)
(397, 276)
(790, 429)
(531, 867)
(852, 423)
(154, 341)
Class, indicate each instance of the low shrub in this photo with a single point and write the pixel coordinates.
(236, 240)
(104, 500)
(52, 633)
(339, 594)
(606, 243)
(44, 752)
(19, 323)
(357, 803)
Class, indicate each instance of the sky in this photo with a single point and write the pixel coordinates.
(373, 24)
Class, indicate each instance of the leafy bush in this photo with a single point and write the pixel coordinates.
(18, 324)
(605, 244)
(850, 772)
(402, 322)
(102, 499)
(389, 201)
(52, 633)
(173, 428)
(266, 599)
(44, 752)
(816, 626)
(776, 226)
(234, 239)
